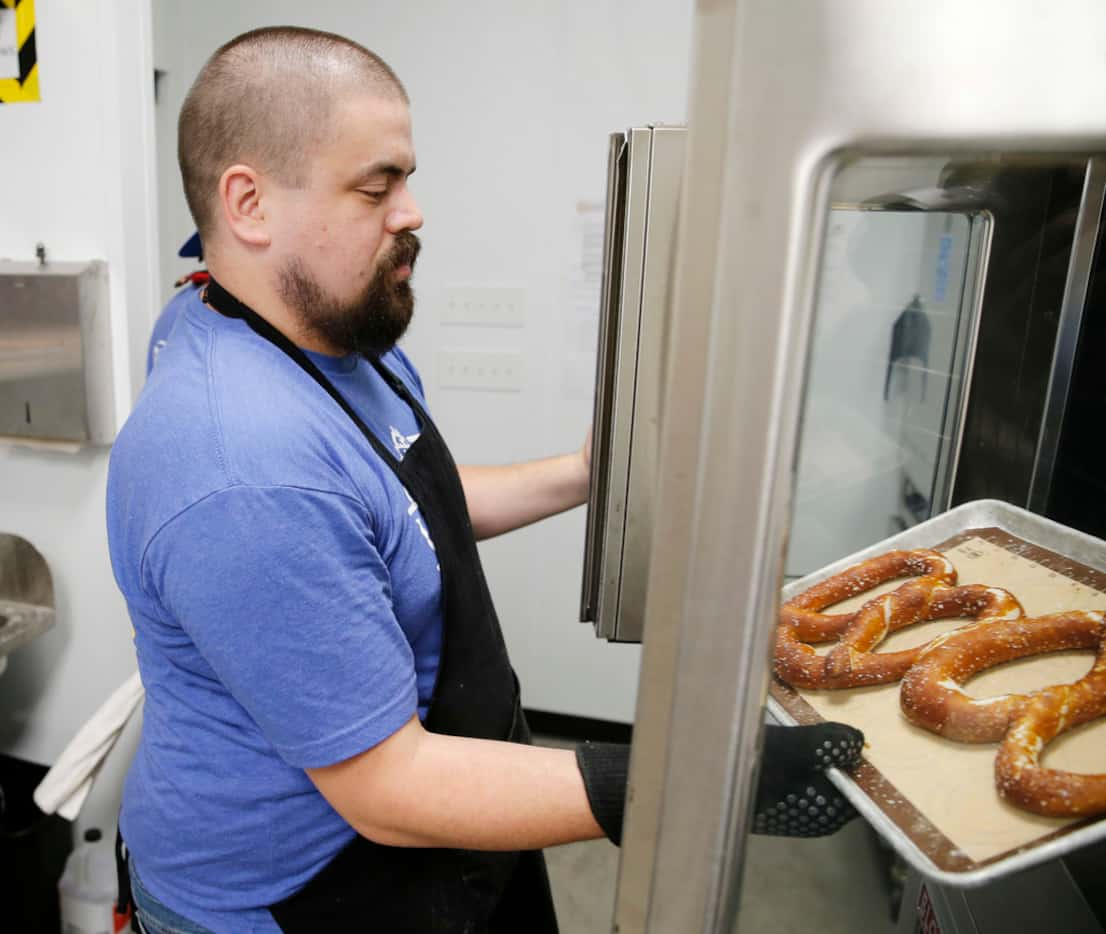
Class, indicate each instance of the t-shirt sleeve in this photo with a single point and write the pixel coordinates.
(165, 322)
(285, 595)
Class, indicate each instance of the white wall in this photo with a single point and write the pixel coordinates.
(512, 105)
(79, 176)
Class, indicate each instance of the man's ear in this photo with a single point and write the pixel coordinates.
(240, 200)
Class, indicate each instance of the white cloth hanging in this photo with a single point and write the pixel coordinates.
(66, 786)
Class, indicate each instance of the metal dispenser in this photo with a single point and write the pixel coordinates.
(55, 352)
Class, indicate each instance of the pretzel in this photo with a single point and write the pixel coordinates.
(851, 663)
(931, 694)
(804, 612)
(1019, 776)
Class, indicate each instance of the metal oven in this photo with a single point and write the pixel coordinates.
(857, 292)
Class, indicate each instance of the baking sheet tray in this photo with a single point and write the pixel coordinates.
(933, 799)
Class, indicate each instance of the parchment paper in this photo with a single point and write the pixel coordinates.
(950, 783)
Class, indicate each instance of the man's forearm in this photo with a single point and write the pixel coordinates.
(420, 789)
(508, 497)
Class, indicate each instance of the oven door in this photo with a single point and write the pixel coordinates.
(644, 173)
(787, 97)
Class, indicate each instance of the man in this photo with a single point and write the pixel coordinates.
(197, 279)
(332, 737)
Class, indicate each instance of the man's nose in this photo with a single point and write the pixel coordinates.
(405, 216)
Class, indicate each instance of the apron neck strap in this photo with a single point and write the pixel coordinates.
(226, 304)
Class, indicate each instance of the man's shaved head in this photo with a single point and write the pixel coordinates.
(265, 99)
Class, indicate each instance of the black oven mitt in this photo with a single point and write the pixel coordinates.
(794, 798)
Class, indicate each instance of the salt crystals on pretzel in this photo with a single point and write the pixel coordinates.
(932, 695)
(933, 675)
(804, 612)
(853, 663)
(1019, 775)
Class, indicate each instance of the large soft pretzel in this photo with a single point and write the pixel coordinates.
(804, 612)
(932, 696)
(1019, 776)
(852, 663)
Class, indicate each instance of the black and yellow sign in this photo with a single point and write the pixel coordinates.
(18, 60)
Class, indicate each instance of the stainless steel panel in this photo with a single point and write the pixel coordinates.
(41, 368)
(1071, 543)
(976, 276)
(1087, 227)
(931, 909)
(665, 180)
(780, 90)
(1044, 898)
(604, 374)
(48, 339)
(625, 340)
(644, 176)
(647, 898)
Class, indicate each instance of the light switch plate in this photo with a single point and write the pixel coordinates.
(473, 369)
(491, 306)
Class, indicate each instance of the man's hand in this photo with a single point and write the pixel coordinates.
(501, 499)
(794, 797)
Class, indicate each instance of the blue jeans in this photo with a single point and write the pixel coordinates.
(156, 918)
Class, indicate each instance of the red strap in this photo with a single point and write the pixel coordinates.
(198, 279)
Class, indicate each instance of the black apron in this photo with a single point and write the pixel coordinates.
(394, 890)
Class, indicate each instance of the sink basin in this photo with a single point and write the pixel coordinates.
(26, 593)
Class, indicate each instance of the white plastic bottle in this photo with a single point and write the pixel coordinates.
(87, 887)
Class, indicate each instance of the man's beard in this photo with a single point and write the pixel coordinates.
(372, 322)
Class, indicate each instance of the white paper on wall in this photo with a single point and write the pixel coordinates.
(9, 49)
(581, 322)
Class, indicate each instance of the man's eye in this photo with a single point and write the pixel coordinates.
(374, 195)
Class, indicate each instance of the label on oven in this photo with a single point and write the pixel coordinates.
(927, 917)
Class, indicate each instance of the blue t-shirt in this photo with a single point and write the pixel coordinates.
(286, 600)
(159, 339)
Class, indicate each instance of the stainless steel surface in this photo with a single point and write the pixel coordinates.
(982, 230)
(780, 89)
(655, 773)
(1026, 525)
(927, 908)
(666, 166)
(644, 175)
(52, 382)
(26, 593)
(1087, 226)
(1044, 898)
(604, 374)
(624, 364)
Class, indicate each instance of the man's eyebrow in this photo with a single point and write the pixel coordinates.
(376, 169)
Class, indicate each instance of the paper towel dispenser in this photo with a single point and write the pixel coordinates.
(55, 353)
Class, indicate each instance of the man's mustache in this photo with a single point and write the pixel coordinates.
(405, 250)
